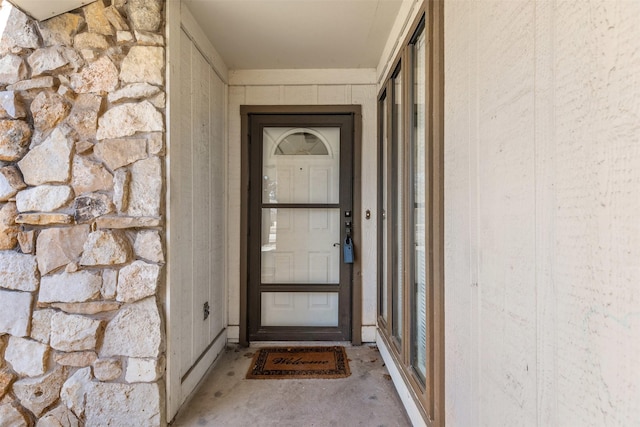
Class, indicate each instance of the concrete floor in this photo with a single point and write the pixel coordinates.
(225, 398)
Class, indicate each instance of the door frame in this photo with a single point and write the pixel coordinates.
(356, 285)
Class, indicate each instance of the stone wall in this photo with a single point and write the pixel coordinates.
(81, 202)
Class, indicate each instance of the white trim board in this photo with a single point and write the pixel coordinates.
(347, 76)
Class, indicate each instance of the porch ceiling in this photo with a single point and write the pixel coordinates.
(297, 34)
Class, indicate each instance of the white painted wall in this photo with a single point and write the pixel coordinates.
(542, 212)
(312, 87)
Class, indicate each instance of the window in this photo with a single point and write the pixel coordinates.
(410, 244)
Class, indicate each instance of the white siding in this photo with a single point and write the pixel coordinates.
(542, 194)
(306, 94)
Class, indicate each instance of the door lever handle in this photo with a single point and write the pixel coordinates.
(336, 244)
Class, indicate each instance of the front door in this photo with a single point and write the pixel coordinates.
(300, 220)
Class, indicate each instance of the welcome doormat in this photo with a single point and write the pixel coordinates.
(299, 362)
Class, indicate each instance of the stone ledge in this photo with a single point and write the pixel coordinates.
(44, 219)
(128, 222)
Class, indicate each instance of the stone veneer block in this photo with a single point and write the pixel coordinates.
(136, 281)
(145, 15)
(78, 359)
(10, 105)
(121, 185)
(114, 17)
(127, 119)
(90, 41)
(70, 332)
(47, 60)
(10, 182)
(12, 417)
(45, 82)
(123, 404)
(101, 76)
(44, 198)
(48, 110)
(93, 307)
(27, 241)
(143, 370)
(107, 369)
(8, 227)
(41, 325)
(37, 394)
(60, 29)
(56, 247)
(49, 162)
(70, 287)
(133, 91)
(106, 248)
(84, 115)
(122, 222)
(14, 139)
(122, 335)
(143, 64)
(116, 153)
(27, 357)
(97, 21)
(44, 219)
(12, 70)
(148, 246)
(6, 378)
(18, 33)
(18, 271)
(145, 190)
(74, 390)
(15, 313)
(60, 416)
(89, 176)
(91, 206)
(109, 283)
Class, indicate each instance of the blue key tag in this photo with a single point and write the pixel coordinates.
(348, 250)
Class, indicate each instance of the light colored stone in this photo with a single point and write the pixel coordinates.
(47, 60)
(19, 32)
(100, 76)
(159, 101)
(116, 153)
(49, 162)
(18, 271)
(27, 357)
(27, 241)
(119, 222)
(109, 283)
(137, 281)
(15, 313)
(70, 332)
(140, 319)
(107, 369)
(143, 370)
(83, 147)
(41, 325)
(106, 248)
(37, 394)
(8, 227)
(91, 307)
(124, 37)
(6, 378)
(57, 247)
(89, 55)
(127, 119)
(145, 190)
(44, 82)
(10, 182)
(60, 416)
(148, 246)
(113, 404)
(44, 219)
(145, 38)
(12, 70)
(96, 19)
(133, 91)
(12, 416)
(143, 64)
(14, 139)
(145, 15)
(114, 17)
(11, 106)
(89, 176)
(74, 390)
(70, 287)
(44, 198)
(155, 143)
(60, 29)
(84, 115)
(91, 206)
(121, 185)
(90, 41)
(48, 110)
(78, 359)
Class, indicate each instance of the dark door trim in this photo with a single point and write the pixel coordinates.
(245, 112)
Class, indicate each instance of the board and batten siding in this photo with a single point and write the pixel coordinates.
(270, 88)
(542, 202)
(197, 210)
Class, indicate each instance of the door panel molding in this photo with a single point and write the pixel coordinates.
(355, 320)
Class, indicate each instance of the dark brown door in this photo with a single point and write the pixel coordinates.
(300, 220)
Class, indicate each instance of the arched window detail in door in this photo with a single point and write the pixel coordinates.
(301, 142)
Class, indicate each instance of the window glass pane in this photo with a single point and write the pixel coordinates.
(384, 270)
(397, 168)
(299, 308)
(419, 315)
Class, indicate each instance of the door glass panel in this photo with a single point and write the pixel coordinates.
(298, 245)
(299, 309)
(301, 165)
(397, 167)
(384, 270)
(419, 315)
